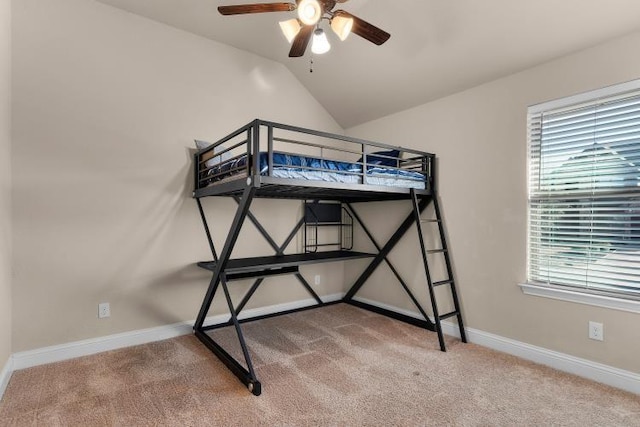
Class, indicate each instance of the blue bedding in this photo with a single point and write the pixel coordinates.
(305, 163)
(303, 167)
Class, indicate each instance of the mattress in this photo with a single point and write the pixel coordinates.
(291, 166)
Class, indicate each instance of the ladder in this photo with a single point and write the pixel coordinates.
(447, 281)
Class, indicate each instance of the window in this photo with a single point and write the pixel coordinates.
(584, 191)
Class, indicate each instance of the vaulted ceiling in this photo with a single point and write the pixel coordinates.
(437, 47)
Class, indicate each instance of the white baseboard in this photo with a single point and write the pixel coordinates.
(57, 353)
(614, 377)
(619, 378)
(5, 376)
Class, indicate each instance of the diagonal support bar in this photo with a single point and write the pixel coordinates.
(290, 237)
(279, 251)
(260, 228)
(232, 364)
(236, 325)
(206, 229)
(391, 266)
(382, 254)
(309, 288)
(236, 225)
(249, 294)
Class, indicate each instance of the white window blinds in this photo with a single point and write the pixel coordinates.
(584, 191)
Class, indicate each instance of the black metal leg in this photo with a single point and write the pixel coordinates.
(236, 325)
(221, 263)
(246, 375)
(232, 364)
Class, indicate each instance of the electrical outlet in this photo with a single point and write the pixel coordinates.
(317, 279)
(596, 331)
(104, 310)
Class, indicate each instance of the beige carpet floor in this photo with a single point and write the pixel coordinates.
(338, 365)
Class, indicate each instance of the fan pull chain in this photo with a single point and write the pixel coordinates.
(311, 63)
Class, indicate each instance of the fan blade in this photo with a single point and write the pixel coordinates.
(365, 30)
(301, 41)
(240, 9)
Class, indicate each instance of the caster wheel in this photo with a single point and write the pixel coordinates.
(255, 388)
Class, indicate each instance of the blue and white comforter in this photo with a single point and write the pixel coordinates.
(311, 168)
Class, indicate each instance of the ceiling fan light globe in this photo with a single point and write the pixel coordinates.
(290, 29)
(341, 25)
(309, 11)
(320, 42)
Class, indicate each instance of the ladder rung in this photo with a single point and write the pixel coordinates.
(446, 316)
(435, 251)
(430, 220)
(442, 282)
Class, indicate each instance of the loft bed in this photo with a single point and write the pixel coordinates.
(322, 166)
(329, 173)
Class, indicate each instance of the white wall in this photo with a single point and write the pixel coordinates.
(105, 107)
(480, 138)
(5, 181)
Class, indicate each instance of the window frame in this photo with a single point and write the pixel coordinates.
(584, 295)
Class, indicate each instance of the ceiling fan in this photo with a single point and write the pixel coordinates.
(299, 31)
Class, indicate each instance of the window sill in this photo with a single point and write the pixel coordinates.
(581, 297)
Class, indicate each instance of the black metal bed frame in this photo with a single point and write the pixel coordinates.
(248, 183)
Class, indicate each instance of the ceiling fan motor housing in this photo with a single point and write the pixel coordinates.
(328, 5)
